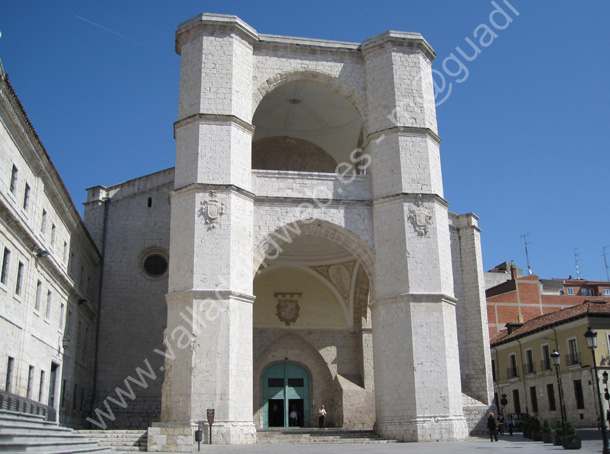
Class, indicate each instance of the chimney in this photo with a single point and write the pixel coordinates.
(513, 272)
(511, 327)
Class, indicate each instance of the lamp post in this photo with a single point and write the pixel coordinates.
(591, 337)
(556, 357)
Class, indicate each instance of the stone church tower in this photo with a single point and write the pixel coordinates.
(312, 257)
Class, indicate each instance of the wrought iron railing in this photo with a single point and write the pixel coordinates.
(13, 402)
(572, 359)
(512, 372)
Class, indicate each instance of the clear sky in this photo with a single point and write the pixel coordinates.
(524, 123)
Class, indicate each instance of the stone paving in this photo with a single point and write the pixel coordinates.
(591, 444)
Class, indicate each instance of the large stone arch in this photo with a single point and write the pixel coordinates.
(326, 80)
(270, 246)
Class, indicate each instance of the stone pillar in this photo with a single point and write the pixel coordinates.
(416, 362)
(473, 336)
(209, 328)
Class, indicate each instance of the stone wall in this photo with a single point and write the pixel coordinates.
(133, 311)
(288, 153)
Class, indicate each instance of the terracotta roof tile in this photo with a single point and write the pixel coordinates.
(589, 307)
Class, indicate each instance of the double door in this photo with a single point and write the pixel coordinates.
(286, 396)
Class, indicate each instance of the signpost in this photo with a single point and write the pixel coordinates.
(210, 421)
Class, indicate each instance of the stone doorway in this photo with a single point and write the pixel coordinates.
(286, 390)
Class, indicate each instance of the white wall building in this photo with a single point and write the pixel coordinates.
(49, 275)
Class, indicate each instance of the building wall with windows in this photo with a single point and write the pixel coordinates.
(48, 277)
(521, 298)
(524, 371)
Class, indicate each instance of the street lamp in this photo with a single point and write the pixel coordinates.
(556, 357)
(591, 337)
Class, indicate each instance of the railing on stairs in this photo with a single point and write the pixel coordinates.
(13, 402)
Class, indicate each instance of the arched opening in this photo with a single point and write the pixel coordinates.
(304, 126)
(311, 307)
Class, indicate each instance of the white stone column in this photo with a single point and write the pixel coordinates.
(416, 361)
(210, 296)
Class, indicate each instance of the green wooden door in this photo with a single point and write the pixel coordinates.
(285, 390)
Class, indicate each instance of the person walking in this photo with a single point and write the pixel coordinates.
(491, 426)
(322, 416)
(510, 421)
(501, 425)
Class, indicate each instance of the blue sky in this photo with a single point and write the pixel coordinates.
(524, 134)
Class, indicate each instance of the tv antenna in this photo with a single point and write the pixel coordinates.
(527, 256)
(576, 254)
(606, 262)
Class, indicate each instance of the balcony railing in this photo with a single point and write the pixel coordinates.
(512, 372)
(572, 359)
(529, 368)
(13, 402)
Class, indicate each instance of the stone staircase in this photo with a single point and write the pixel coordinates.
(293, 436)
(118, 440)
(31, 433)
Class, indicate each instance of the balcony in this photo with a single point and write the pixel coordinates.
(512, 372)
(572, 359)
(529, 368)
(545, 364)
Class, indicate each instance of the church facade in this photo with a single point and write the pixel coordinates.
(305, 251)
(301, 252)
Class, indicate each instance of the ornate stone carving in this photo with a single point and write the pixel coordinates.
(420, 217)
(340, 275)
(211, 210)
(288, 308)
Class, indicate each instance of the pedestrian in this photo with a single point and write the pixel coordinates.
(322, 414)
(491, 426)
(293, 418)
(501, 425)
(511, 423)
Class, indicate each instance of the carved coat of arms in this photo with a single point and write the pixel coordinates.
(420, 217)
(211, 210)
(287, 309)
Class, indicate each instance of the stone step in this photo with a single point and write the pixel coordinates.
(293, 436)
(119, 440)
(63, 446)
(31, 433)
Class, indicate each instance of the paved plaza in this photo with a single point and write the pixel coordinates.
(591, 443)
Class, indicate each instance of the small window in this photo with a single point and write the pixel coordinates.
(607, 292)
(26, 197)
(65, 255)
(14, 176)
(19, 283)
(155, 265)
(30, 382)
(49, 300)
(580, 400)
(38, 295)
(296, 382)
(149, 202)
(43, 222)
(275, 382)
(583, 291)
(53, 232)
(8, 386)
(41, 387)
(529, 361)
(570, 291)
(6, 260)
(534, 399)
(550, 392)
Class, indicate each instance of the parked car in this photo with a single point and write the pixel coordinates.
(521, 419)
